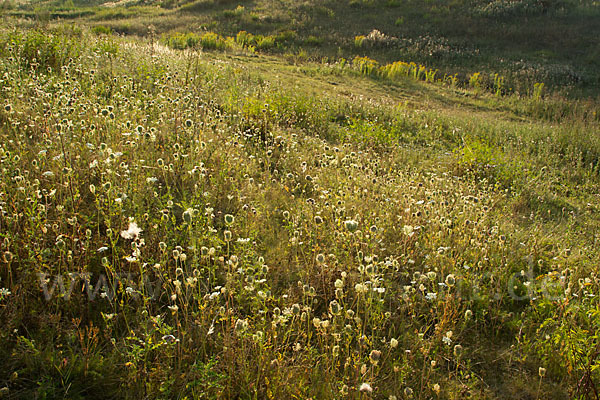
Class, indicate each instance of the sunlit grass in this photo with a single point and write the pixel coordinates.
(178, 223)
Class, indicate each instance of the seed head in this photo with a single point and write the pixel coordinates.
(375, 356)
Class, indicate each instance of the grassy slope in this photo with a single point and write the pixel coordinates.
(406, 142)
(556, 46)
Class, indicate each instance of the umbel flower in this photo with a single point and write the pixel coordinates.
(132, 232)
(366, 388)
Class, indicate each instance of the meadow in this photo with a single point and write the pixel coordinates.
(276, 213)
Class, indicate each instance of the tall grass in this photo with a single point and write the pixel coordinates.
(182, 224)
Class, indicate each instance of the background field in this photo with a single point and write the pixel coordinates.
(267, 199)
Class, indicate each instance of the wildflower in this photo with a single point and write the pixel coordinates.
(458, 350)
(335, 350)
(320, 258)
(366, 388)
(132, 231)
(5, 292)
(542, 372)
(468, 314)
(393, 343)
(173, 308)
(335, 307)
(296, 309)
(227, 235)
(408, 230)
(431, 296)
(187, 216)
(408, 392)
(229, 219)
(360, 288)
(436, 388)
(450, 280)
(318, 220)
(375, 356)
(351, 225)
(170, 339)
(177, 284)
(7, 257)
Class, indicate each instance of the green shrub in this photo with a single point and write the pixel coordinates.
(213, 41)
(475, 81)
(313, 41)
(182, 41)
(237, 12)
(285, 37)
(359, 41)
(245, 39)
(265, 43)
(366, 65)
(102, 30)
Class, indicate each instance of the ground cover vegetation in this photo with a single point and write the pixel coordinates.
(262, 209)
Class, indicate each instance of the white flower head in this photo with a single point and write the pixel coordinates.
(132, 232)
(366, 388)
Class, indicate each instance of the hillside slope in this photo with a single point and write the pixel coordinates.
(526, 41)
(230, 225)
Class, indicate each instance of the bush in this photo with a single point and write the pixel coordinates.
(265, 43)
(359, 40)
(245, 39)
(313, 41)
(366, 65)
(213, 41)
(182, 41)
(102, 30)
